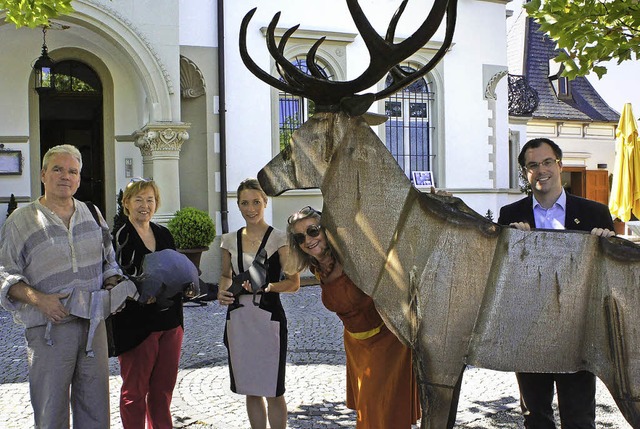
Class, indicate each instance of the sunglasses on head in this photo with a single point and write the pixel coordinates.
(302, 214)
(312, 231)
(138, 179)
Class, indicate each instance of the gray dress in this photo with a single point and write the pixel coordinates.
(256, 336)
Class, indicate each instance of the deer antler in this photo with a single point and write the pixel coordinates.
(253, 67)
(384, 57)
(402, 79)
(118, 251)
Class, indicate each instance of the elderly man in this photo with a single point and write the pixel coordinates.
(551, 208)
(53, 254)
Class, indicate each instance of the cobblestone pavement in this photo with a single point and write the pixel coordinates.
(315, 377)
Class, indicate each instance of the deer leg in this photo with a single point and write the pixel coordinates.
(440, 404)
(630, 409)
(621, 387)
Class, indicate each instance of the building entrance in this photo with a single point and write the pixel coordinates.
(72, 114)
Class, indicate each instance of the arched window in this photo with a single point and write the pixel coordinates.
(409, 129)
(76, 77)
(295, 110)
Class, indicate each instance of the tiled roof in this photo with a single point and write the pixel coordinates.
(585, 104)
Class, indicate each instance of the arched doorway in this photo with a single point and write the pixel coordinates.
(72, 114)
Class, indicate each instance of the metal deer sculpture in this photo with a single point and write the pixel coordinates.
(455, 287)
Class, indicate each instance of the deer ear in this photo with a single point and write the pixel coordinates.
(357, 104)
(373, 119)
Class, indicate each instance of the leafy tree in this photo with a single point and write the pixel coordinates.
(524, 185)
(34, 13)
(489, 215)
(589, 32)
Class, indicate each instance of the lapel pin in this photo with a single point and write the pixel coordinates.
(577, 221)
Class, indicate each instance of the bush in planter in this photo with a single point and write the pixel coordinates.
(192, 228)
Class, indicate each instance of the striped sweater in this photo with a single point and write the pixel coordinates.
(38, 249)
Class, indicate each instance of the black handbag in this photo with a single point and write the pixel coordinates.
(256, 274)
(111, 344)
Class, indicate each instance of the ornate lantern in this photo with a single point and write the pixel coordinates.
(43, 68)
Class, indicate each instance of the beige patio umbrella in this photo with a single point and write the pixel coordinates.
(625, 189)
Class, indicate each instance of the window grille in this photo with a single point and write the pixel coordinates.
(294, 110)
(409, 128)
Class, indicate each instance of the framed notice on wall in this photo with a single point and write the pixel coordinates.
(10, 162)
(423, 179)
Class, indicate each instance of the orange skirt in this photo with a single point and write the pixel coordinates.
(381, 385)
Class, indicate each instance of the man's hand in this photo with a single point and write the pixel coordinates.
(49, 304)
(521, 226)
(441, 192)
(602, 232)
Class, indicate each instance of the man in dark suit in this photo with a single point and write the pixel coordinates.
(549, 207)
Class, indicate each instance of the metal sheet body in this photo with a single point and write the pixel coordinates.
(97, 306)
(166, 273)
(543, 301)
(549, 281)
(563, 302)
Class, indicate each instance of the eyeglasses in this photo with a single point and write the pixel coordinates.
(535, 166)
(312, 231)
(301, 214)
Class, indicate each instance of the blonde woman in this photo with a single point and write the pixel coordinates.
(256, 335)
(148, 337)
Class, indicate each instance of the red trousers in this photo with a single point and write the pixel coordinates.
(149, 373)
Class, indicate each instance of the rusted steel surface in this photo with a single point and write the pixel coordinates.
(458, 288)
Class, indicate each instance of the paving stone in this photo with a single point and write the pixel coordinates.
(315, 377)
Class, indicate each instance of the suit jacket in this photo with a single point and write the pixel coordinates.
(581, 214)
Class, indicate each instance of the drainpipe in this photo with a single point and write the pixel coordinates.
(224, 211)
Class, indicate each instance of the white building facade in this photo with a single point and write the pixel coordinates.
(156, 88)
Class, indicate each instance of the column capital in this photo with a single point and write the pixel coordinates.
(161, 136)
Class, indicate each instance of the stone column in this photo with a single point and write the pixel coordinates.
(160, 145)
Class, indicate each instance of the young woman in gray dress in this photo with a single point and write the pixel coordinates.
(256, 335)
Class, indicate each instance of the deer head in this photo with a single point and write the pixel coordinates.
(304, 162)
(384, 55)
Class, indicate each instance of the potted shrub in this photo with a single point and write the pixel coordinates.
(193, 231)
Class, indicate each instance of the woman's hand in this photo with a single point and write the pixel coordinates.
(109, 283)
(225, 297)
